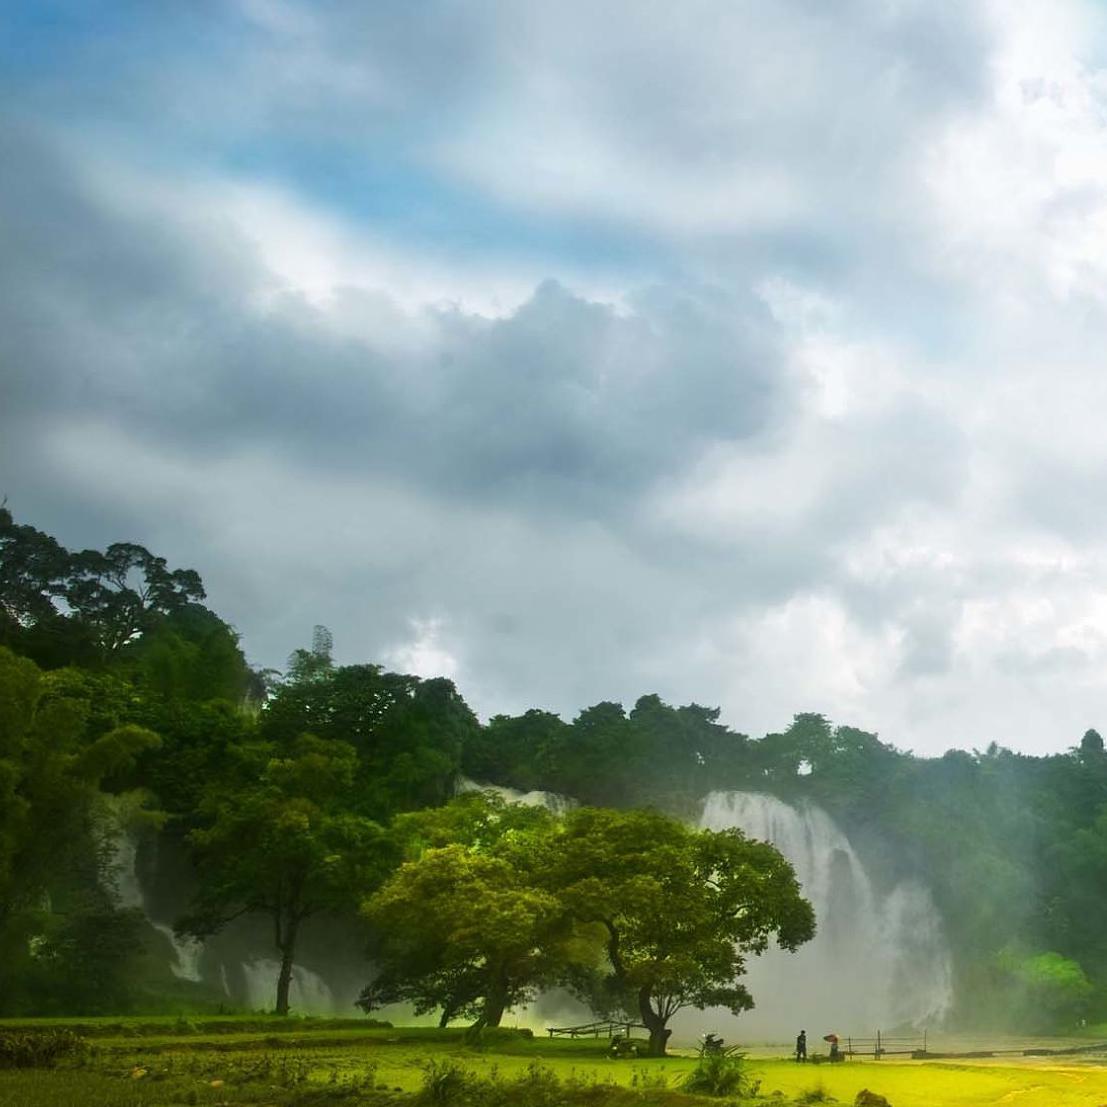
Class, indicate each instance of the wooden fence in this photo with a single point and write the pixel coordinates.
(883, 1045)
(595, 1030)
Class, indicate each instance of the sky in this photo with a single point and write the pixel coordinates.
(748, 353)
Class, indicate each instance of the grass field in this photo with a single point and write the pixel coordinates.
(311, 1063)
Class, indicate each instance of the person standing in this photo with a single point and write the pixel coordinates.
(801, 1046)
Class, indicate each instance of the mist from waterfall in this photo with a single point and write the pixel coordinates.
(308, 993)
(877, 961)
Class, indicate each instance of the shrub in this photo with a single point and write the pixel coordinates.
(722, 1074)
(40, 1050)
(446, 1084)
(817, 1094)
(865, 1098)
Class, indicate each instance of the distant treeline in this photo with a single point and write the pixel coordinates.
(124, 701)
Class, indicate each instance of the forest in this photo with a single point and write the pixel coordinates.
(323, 800)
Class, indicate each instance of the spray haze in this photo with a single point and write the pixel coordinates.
(877, 960)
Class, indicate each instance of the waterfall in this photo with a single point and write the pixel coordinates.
(186, 952)
(128, 893)
(308, 993)
(877, 960)
(124, 853)
(552, 801)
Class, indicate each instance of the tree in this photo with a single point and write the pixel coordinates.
(464, 931)
(680, 909)
(33, 568)
(461, 931)
(1044, 988)
(284, 843)
(79, 607)
(1091, 745)
(524, 751)
(408, 733)
(481, 821)
(463, 926)
(306, 665)
(52, 764)
(188, 654)
(122, 591)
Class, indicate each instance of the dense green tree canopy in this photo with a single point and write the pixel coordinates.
(639, 912)
(408, 733)
(467, 931)
(285, 845)
(680, 909)
(54, 879)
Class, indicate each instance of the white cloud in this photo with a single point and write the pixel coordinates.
(835, 444)
(424, 654)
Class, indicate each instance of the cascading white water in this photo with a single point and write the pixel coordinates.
(186, 951)
(876, 961)
(124, 853)
(552, 801)
(308, 993)
(128, 893)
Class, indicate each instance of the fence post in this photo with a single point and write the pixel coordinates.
(878, 1049)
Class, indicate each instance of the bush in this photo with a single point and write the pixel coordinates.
(865, 1098)
(817, 1094)
(722, 1074)
(446, 1084)
(40, 1051)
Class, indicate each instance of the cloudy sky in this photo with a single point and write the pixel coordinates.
(748, 352)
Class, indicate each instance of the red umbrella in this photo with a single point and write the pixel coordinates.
(830, 1037)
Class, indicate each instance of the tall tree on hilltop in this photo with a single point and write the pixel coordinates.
(408, 732)
(85, 607)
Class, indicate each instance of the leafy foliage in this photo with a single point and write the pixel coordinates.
(679, 909)
(465, 927)
(722, 1074)
(57, 924)
(40, 1050)
(408, 733)
(284, 844)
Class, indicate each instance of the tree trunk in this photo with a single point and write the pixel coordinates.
(493, 1012)
(286, 943)
(284, 981)
(654, 1023)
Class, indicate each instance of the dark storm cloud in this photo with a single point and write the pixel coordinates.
(153, 324)
(577, 349)
(499, 471)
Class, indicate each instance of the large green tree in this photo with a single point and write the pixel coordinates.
(281, 840)
(54, 866)
(680, 909)
(122, 607)
(408, 733)
(467, 932)
(463, 926)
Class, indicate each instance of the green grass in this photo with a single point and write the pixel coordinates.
(315, 1062)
